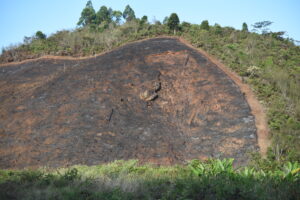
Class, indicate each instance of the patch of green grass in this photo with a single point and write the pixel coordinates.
(213, 179)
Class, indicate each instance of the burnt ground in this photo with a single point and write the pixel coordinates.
(157, 101)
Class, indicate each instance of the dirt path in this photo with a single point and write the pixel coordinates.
(256, 108)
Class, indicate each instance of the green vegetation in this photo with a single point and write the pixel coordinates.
(173, 22)
(40, 35)
(88, 15)
(245, 27)
(204, 25)
(213, 179)
(128, 14)
(265, 60)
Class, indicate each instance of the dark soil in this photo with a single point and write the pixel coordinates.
(157, 100)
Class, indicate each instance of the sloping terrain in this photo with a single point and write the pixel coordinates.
(157, 100)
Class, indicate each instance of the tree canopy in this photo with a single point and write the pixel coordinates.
(204, 25)
(88, 15)
(128, 13)
(103, 15)
(245, 27)
(40, 35)
(262, 26)
(117, 15)
(173, 22)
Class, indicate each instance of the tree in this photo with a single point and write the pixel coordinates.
(128, 13)
(262, 26)
(117, 15)
(185, 26)
(89, 4)
(88, 15)
(278, 35)
(103, 15)
(245, 27)
(173, 22)
(218, 29)
(165, 21)
(144, 20)
(40, 35)
(204, 25)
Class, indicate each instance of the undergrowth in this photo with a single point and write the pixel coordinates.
(213, 179)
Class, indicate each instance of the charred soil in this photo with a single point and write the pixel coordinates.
(157, 100)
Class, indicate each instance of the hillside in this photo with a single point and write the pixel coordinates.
(180, 99)
(157, 101)
(267, 62)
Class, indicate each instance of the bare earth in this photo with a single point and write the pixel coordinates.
(158, 100)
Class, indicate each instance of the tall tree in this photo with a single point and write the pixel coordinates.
(262, 26)
(204, 25)
(128, 13)
(245, 27)
(89, 4)
(40, 35)
(165, 21)
(103, 15)
(144, 20)
(117, 15)
(88, 15)
(218, 29)
(173, 22)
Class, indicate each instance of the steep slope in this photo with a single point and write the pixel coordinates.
(157, 100)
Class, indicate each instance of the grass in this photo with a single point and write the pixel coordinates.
(213, 179)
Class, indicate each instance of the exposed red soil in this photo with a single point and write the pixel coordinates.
(156, 100)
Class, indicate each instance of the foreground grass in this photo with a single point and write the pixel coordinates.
(213, 179)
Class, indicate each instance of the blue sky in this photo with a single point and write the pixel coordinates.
(19, 18)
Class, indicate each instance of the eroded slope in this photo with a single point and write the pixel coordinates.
(157, 100)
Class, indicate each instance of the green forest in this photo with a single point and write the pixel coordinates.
(267, 61)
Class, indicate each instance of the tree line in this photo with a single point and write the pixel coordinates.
(104, 15)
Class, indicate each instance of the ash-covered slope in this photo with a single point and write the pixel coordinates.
(157, 100)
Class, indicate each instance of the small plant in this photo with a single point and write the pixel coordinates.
(253, 71)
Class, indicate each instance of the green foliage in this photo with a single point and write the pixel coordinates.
(165, 21)
(144, 20)
(128, 14)
(103, 15)
(40, 35)
(88, 15)
(211, 167)
(217, 29)
(262, 26)
(173, 22)
(212, 179)
(117, 15)
(245, 27)
(204, 25)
